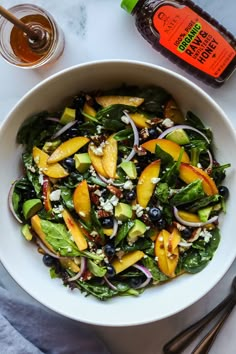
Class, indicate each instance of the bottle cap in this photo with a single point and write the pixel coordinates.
(128, 5)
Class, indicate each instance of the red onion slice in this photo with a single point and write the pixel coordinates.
(113, 287)
(136, 137)
(46, 250)
(182, 126)
(83, 265)
(52, 119)
(146, 272)
(193, 224)
(10, 195)
(63, 129)
(209, 167)
(115, 228)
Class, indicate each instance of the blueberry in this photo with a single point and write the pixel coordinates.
(48, 260)
(107, 222)
(70, 133)
(109, 250)
(161, 224)
(155, 214)
(223, 191)
(78, 102)
(186, 233)
(110, 271)
(153, 134)
(69, 164)
(135, 282)
(130, 196)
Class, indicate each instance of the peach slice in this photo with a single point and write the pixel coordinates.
(110, 155)
(53, 170)
(139, 119)
(81, 200)
(187, 216)
(189, 173)
(46, 193)
(75, 231)
(173, 112)
(88, 110)
(127, 260)
(168, 146)
(106, 101)
(68, 263)
(146, 183)
(67, 149)
(166, 249)
(36, 226)
(97, 162)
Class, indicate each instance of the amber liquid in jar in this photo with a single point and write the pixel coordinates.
(20, 42)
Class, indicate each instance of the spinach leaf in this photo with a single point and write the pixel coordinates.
(167, 213)
(194, 121)
(204, 202)
(188, 194)
(124, 134)
(201, 253)
(152, 266)
(218, 173)
(96, 223)
(141, 244)
(166, 159)
(162, 192)
(95, 269)
(59, 238)
(33, 177)
(35, 130)
(66, 195)
(110, 117)
(123, 231)
(102, 292)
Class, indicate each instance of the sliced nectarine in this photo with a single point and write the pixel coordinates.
(36, 226)
(97, 162)
(67, 149)
(187, 216)
(81, 200)
(173, 112)
(106, 101)
(109, 158)
(139, 119)
(53, 170)
(146, 183)
(75, 231)
(46, 193)
(168, 146)
(88, 110)
(127, 260)
(68, 263)
(189, 173)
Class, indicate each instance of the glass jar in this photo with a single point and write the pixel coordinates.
(15, 46)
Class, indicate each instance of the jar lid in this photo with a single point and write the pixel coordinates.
(128, 5)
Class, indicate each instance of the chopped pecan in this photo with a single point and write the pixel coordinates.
(155, 121)
(98, 139)
(103, 214)
(144, 134)
(116, 191)
(145, 218)
(140, 151)
(94, 198)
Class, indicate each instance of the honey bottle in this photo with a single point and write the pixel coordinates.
(186, 35)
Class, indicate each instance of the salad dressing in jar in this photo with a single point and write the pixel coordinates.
(187, 35)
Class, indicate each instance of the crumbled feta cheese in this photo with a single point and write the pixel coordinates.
(55, 195)
(93, 233)
(138, 210)
(58, 210)
(168, 123)
(155, 180)
(114, 200)
(36, 159)
(156, 258)
(206, 235)
(120, 222)
(99, 129)
(185, 244)
(98, 192)
(81, 213)
(128, 185)
(30, 168)
(69, 249)
(199, 165)
(125, 119)
(41, 179)
(99, 251)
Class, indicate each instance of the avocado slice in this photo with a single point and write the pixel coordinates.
(82, 162)
(123, 211)
(129, 168)
(31, 207)
(137, 230)
(67, 116)
(26, 232)
(204, 213)
(178, 136)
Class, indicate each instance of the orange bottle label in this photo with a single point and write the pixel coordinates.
(194, 40)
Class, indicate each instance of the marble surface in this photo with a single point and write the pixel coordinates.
(99, 29)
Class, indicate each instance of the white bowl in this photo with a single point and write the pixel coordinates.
(21, 259)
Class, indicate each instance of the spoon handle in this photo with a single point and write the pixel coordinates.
(184, 338)
(206, 343)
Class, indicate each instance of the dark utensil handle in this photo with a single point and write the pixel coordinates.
(184, 338)
(206, 343)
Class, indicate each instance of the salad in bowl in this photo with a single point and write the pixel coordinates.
(120, 191)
